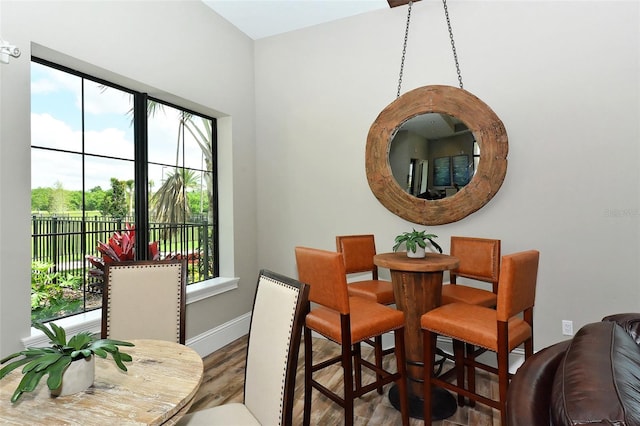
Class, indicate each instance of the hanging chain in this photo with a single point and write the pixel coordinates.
(404, 47)
(453, 43)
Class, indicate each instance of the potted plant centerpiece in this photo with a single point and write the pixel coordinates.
(69, 364)
(416, 242)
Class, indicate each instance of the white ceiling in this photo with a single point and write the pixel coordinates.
(264, 18)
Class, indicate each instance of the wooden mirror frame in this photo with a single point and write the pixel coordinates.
(489, 133)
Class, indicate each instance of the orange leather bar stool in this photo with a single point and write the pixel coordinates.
(347, 321)
(480, 261)
(499, 330)
(357, 252)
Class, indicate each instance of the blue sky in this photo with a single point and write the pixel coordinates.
(56, 122)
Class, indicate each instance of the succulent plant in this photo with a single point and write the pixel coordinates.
(414, 239)
(53, 360)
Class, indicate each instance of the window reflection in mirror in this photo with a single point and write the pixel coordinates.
(433, 156)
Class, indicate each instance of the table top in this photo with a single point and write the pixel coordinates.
(432, 262)
(158, 388)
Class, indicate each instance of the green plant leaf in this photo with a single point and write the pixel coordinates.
(40, 362)
(100, 352)
(118, 359)
(10, 367)
(61, 336)
(81, 340)
(125, 357)
(27, 384)
(56, 371)
(436, 245)
(45, 330)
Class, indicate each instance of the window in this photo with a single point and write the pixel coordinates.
(105, 161)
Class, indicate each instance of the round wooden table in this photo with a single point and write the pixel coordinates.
(157, 389)
(417, 288)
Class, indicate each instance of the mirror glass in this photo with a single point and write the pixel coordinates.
(445, 173)
(433, 156)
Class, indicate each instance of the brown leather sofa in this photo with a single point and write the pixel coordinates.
(592, 379)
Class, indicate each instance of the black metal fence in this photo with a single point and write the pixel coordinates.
(64, 242)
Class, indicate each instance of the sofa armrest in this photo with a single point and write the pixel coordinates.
(629, 321)
(529, 395)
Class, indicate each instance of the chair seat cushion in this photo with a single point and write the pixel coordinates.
(368, 319)
(223, 415)
(597, 381)
(473, 324)
(452, 293)
(376, 290)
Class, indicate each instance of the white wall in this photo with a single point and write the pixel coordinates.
(563, 77)
(179, 51)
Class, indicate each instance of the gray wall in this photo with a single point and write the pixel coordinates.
(563, 77)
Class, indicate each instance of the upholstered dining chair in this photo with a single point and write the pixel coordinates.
(479, 261)
(347, 321)
(358, 252)
(279, 308)
(144, 300)
(499, 330)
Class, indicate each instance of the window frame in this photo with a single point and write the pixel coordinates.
(201, 289)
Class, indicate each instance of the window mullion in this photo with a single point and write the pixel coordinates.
(141, 175)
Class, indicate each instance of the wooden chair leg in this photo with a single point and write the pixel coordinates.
(357, 366)
(503, 383)
(458, 352)
(402, 381)
(429, 344)
(347, 367)
(378, 356)
(308, 355)
(470, 359)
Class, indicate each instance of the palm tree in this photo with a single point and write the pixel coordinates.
(170, 204)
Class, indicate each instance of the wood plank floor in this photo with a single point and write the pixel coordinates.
(224, 376)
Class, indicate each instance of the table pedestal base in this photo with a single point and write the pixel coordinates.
(443, 404)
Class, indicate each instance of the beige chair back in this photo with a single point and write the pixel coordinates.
(279, 308)
(144, 300)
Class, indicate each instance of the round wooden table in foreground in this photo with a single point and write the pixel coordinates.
(417, 288)
(157, 389)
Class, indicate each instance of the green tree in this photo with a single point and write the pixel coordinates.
(170, 203)
(58, 199)
(94, 198)
(75, 200)
(41, 199)
(129, 184)
(114, 203)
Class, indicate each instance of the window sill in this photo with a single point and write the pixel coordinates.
(91, 321)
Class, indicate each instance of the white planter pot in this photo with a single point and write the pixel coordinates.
(419, 253)
(77, 377)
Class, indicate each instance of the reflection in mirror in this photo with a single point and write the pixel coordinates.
(477, 184)
(433, 156)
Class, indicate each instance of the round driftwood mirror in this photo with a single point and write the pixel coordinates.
(488, 132)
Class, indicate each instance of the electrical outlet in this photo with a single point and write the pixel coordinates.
(567, 328)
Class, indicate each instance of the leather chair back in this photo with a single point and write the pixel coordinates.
(518, 276)
(325, 273)
(479, 259)
(358, 252)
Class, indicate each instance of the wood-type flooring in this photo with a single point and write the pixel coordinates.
(224, 376)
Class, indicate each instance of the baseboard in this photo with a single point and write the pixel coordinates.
(216, 338)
